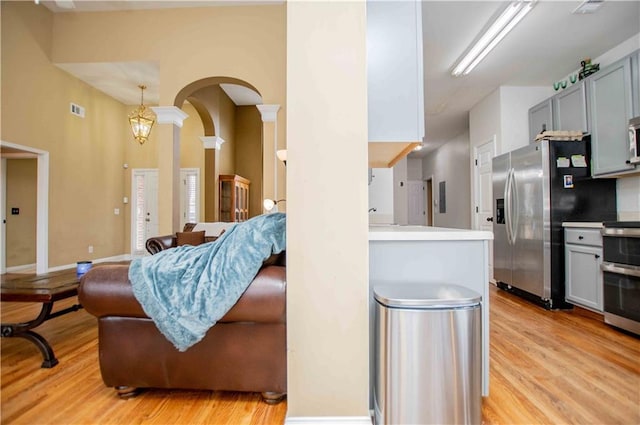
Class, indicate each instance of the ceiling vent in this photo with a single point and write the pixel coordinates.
(588, 6)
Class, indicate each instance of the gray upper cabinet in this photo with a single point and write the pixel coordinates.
(394, 71)
(570, 109)
(611, 107)
(635, 69)
(540, 119)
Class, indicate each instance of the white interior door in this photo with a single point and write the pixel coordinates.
(189, 196)
(144, 208)
(484, 190)
(416, 202)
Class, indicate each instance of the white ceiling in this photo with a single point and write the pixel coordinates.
(547, 45)
(120, 80)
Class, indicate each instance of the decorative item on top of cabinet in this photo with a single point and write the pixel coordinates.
(234, 198)
(588, 68)
(583, 277)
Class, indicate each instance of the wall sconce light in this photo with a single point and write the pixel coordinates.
(141, 120)
(269, 204)
(282, 155)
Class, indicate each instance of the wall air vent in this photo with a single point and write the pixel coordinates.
(77, 110)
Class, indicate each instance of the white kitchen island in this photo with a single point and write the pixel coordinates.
(433, 255)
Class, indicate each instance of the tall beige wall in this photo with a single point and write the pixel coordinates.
(21, 184)
(227, 132)
(327, 231)
(87, 156)
(86, 175)
(245, 42)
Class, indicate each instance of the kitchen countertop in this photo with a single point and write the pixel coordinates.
(583, 224)
(393, 232)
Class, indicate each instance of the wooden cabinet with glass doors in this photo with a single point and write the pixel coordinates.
(234, 198)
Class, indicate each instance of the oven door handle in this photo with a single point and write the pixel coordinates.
(629, 232)
(620, 269)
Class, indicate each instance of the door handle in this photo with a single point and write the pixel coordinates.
(147, 219)
(489, 218)
(597, 256)
(580, 237)
(620, 269)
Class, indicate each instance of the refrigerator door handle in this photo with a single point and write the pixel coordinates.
(514, 208)
(507, 212)
(506, 205)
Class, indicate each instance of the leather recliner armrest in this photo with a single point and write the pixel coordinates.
(160, 243)
(106, 291)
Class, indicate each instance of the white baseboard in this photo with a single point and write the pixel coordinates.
(328, 420)
(123, 257)
(16, 269)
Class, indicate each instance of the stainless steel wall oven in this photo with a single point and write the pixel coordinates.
(621, 274)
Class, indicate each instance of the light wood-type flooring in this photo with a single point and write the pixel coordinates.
(546, 368)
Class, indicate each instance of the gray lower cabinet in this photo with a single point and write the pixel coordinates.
(611, 107)
(583, 277)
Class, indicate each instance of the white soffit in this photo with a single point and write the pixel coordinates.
(241, 96)
(119, 80)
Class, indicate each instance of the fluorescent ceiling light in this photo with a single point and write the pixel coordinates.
(587, 6)
(490, 39)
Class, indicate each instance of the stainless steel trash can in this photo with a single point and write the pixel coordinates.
(428, 354)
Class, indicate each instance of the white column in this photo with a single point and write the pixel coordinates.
(269, 114)
(327, 221)
(169, 167)
(170, 115)
(212, 145)
(212, 142)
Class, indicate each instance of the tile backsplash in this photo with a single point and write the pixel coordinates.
(628, 193)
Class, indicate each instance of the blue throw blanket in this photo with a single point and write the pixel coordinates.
(186, 290)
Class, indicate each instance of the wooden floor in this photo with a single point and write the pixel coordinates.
(546, 368)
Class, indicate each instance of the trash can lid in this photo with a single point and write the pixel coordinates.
(425, 295)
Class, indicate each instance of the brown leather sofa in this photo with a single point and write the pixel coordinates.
(244, 351)
(159, 243)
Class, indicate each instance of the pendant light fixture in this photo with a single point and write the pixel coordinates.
(141, 119)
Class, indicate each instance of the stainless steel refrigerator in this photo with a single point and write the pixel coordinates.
(535, 189)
